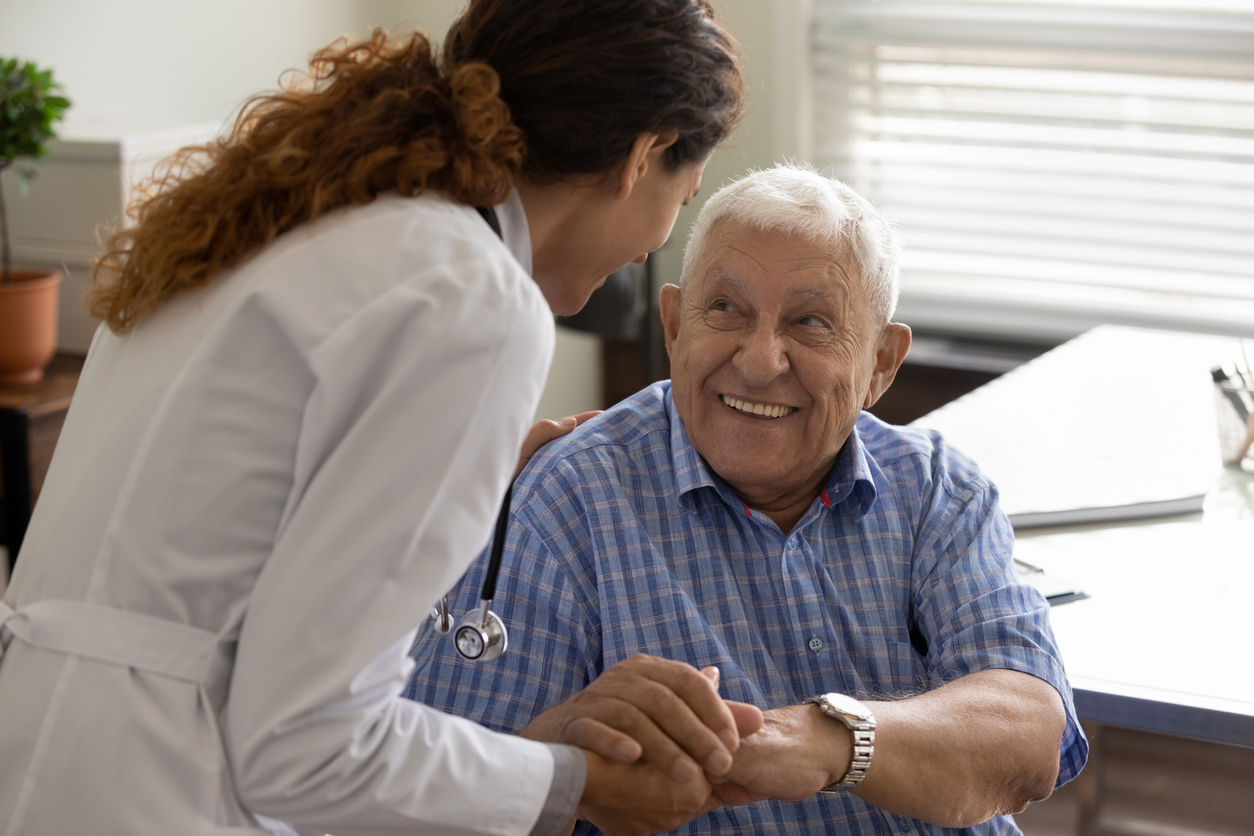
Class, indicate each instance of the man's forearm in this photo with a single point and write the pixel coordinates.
(981, 746)
(978, 747)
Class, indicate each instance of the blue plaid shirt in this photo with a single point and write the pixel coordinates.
(621, 541)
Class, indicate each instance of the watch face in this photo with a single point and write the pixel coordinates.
(848, 705)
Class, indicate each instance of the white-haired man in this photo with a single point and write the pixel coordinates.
(851, 578)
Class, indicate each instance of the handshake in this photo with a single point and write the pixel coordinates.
(664, 748)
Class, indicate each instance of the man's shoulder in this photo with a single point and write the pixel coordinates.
(918, 455)
(630, 438)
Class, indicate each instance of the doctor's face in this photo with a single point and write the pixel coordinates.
(612, 231)
(775, 348)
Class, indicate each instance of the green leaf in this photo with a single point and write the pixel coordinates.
(29, 105)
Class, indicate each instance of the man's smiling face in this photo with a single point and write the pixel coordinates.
(775, 348)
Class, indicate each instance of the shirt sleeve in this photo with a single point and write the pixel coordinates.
(407, 441)
(976, 615)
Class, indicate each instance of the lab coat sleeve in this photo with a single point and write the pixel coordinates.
(408, 440)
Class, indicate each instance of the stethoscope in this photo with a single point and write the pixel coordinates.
(482, 636)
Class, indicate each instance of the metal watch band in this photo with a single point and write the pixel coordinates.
(861, 724)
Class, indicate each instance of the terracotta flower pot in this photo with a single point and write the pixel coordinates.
(28, 325)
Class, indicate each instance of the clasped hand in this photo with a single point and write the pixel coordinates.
(663, 747)
(656, 732)
(796, 753)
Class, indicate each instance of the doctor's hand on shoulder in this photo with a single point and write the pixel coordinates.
(546, 430)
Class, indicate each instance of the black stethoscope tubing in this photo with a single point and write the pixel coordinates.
(498, 547)
(482, 636)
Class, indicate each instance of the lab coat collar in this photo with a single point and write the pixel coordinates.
(514, 230)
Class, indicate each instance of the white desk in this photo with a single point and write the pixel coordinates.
(1166, 642)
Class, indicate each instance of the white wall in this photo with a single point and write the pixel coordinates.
(147, 64)
(431, 16)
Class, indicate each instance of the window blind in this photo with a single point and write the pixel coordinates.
(1052, 164)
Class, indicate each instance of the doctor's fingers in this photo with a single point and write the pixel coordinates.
(542, 432)
(644, 739)
(664, 704)
(620, 732)
(588, 733)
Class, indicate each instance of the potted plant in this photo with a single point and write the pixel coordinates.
(29, 105)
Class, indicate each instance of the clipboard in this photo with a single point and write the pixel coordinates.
(1057, 591)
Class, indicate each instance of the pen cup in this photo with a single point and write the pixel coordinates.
(1234, 408)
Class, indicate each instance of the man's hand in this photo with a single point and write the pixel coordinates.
(798, 752)
(542, 432)
(625, 799)
(668, 713)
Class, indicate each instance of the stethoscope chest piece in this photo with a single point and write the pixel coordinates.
(481, 636)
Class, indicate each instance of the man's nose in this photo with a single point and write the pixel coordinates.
(762, 357)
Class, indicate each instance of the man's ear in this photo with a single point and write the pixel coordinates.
(893, 345)
(669, 303)
(646, 151)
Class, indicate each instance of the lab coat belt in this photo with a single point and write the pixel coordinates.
(108, 634)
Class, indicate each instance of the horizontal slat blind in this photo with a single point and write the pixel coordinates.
(1053, 156)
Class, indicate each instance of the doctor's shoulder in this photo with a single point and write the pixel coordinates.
(453, 244)
(417, 253)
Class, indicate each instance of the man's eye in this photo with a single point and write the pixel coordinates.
(722, 306)
(812, 322)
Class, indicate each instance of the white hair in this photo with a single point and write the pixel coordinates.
(798, 201)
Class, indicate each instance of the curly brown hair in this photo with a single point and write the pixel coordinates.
(544, 91)
(366, 119)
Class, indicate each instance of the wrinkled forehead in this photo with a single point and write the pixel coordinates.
(757, 259)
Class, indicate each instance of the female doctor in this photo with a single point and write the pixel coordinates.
(294, 433)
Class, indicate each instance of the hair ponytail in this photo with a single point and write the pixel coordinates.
(369, 117)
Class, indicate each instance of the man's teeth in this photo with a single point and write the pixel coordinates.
(758, 408)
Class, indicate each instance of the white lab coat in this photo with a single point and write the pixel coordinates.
(257, 497)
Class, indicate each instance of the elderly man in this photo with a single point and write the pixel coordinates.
(852, 579)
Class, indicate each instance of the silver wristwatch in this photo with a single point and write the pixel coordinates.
(861, 724)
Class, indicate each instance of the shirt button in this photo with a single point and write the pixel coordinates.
(792, 542)
(904, 824)
(816, 644)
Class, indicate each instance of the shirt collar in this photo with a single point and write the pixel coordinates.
(850, 479)
(514, 230)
